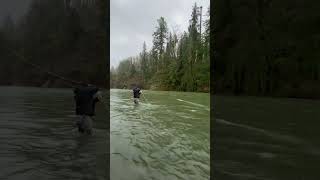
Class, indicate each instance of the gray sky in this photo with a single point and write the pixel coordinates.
(134, 21)
(14, 8)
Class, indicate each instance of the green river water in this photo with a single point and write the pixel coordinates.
(166, 136)
(39, 140)
(261, 138)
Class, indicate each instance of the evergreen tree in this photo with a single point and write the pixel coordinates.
(173, 63)
(144, 62)
(159, 40)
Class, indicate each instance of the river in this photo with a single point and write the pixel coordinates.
(166, 136)
(260, 138)
(39, 141)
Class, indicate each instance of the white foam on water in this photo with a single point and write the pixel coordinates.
(267, 155)
(262, 131)
(195, 104)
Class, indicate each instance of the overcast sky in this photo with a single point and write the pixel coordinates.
(13, 8)
(134, 21)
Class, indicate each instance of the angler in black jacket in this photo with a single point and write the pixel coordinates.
(86, 98)
(136, 94)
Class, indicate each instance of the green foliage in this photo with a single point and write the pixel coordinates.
(174, 62)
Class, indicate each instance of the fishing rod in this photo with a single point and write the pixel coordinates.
(70, 81)
(102, 101)
(26, 61)
(56, 75)
(145, 98)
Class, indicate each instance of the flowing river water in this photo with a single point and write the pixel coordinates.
(38, 139)
(260, 138)
(166, 136)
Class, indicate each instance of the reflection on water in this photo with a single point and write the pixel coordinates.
(266, 138)
(166, 136)
(38, 139)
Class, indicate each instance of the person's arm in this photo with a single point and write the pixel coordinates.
(98, 96)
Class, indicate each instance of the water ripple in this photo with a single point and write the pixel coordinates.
(161, 139)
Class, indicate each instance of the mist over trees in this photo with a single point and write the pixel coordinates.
(175, 62)
(70, 41)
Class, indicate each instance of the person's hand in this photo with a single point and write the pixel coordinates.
(98, 95)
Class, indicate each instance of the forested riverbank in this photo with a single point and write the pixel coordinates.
(68, 40)
(266, 48)
(179, 62)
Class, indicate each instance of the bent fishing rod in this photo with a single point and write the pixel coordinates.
(145, 98)
(70, 82)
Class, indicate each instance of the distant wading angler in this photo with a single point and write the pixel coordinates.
(86, 98)
(136, 94)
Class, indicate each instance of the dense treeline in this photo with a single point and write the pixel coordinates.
(67, 40)
(175, 62)
(268, 48)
